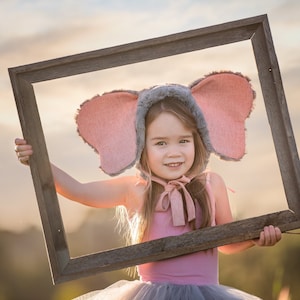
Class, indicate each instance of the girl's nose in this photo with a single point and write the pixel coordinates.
(173, 151)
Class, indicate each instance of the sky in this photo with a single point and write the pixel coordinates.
(33, 31)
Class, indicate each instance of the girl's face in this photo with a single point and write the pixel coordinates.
(169, 146)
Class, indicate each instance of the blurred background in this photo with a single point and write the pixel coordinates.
(33, 31)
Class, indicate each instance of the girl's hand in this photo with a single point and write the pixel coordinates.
(23, 151)
(269, 236)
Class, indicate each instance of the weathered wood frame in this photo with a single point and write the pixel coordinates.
(257, 30)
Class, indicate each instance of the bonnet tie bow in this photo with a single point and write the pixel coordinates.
(172, 197)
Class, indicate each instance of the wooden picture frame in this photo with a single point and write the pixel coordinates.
(257, 30)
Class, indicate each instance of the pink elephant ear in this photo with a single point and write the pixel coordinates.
(226, 101)
(107, 124)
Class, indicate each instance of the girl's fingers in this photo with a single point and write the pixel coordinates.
(274, 235)
(24, 160)
(24, 153)
(19, 141)
(23, 150)
(269, 236)
(262, 239)
(278, 234)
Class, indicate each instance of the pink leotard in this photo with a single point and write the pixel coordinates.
(199, 268)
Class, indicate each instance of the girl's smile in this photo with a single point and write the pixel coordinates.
(169, 146)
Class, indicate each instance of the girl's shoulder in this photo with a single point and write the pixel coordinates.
(136, 187)
(213, 179)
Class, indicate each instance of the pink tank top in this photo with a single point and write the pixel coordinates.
(198, 268)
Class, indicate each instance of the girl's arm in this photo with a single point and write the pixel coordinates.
(268, 237)
(104, 194)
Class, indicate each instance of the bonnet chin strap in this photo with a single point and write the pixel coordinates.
(172, 197)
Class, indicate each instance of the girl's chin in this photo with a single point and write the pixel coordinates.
(174, 176)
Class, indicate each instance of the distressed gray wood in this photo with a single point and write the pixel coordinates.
(277, 112)
(53, 228)
(188, 41)
(174, 246)
(256, 29)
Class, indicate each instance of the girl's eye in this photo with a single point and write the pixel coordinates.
(184, 141)
(160, 143)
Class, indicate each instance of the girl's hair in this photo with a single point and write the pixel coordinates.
(196, 187)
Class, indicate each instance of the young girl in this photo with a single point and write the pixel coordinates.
(176, 128)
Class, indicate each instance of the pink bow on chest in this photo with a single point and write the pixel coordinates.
(172, 197)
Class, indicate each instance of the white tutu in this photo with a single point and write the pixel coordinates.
(138, 290)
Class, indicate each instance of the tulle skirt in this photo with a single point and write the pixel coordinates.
(138, 290)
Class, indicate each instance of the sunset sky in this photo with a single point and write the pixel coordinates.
(33, 31)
